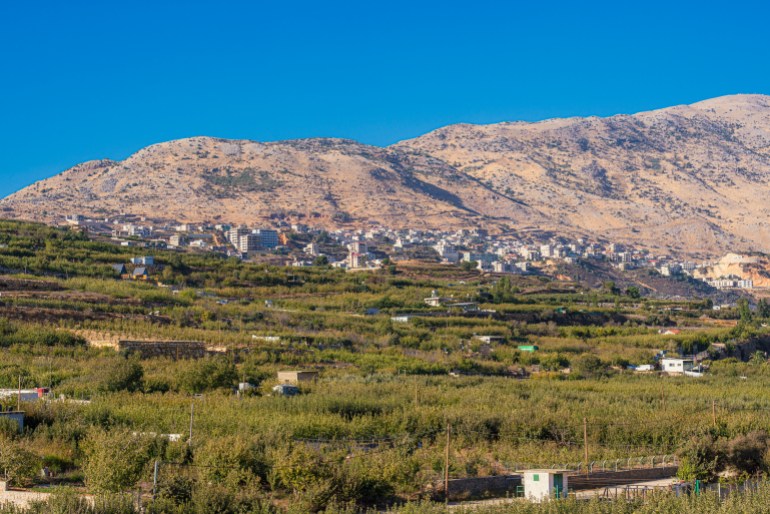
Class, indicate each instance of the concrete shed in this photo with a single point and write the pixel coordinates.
(544, 484)
(296, 377)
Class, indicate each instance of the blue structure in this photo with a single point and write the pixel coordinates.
(17, 416)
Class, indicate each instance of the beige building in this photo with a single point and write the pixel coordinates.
(296, 377)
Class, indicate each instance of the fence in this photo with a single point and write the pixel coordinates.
(649, 462)
(720, 490)
(725, 490)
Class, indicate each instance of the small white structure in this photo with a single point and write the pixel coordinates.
(676, 366)
(544, 484)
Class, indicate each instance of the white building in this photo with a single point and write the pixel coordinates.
(146, 260)
(447, 252)
(674, 366)
(234, 236)
(248, 243)
(544, 484)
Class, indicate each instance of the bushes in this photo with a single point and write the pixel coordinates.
(114, 460)
(17, 464)
(708, 455)
(207, 374)
(588, 366)
(126, 374)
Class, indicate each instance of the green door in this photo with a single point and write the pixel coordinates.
(558, 485)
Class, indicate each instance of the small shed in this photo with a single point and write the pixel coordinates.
(17, 416)
(286, 390)
(490, 339)
(140, 273)
(676, 366)
(544, 484)
(296, 377)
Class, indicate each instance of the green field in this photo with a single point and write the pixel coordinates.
(371, 431)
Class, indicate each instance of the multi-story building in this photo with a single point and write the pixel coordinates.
(268, 238)
(447, 252)
(248, 243)
(234, 236)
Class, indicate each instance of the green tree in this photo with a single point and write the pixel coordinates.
(114, 460)
(744, 310)
(700, 459)
(207, 374)
(588, 366)
(633, 292)
(125, 374)
(763, 309)
(18, 465)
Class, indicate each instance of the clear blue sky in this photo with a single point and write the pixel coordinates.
(85, 80)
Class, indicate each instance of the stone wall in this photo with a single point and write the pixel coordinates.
(462, 489)
(171, 349)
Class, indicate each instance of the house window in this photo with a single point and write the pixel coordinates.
(536, 478)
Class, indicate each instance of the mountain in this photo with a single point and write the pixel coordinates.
(325, 182)
(687, 179)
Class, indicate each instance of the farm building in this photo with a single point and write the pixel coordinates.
(296, 377)
(25, 395)
(490, 339)
(674, 366)
(286, 390)
(543, 484)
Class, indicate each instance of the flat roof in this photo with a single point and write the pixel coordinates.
(544, 470)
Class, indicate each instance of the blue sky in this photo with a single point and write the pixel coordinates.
(87, 80)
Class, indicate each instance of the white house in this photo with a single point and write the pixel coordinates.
(543, 484)
(674, 366)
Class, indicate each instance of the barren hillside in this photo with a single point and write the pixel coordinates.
(689, 179)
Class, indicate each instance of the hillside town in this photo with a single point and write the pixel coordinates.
(300, 245)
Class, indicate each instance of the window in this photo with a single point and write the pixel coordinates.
(536, 478)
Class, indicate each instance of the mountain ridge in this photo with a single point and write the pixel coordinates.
(684, 179)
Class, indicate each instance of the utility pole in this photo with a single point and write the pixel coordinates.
(585, 441)
(192, 414)
(714, 412)
(155, 479)
(446, 463)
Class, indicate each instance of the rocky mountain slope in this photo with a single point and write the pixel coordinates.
(689, 179)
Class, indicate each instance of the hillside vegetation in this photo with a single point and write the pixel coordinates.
(370, 432)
